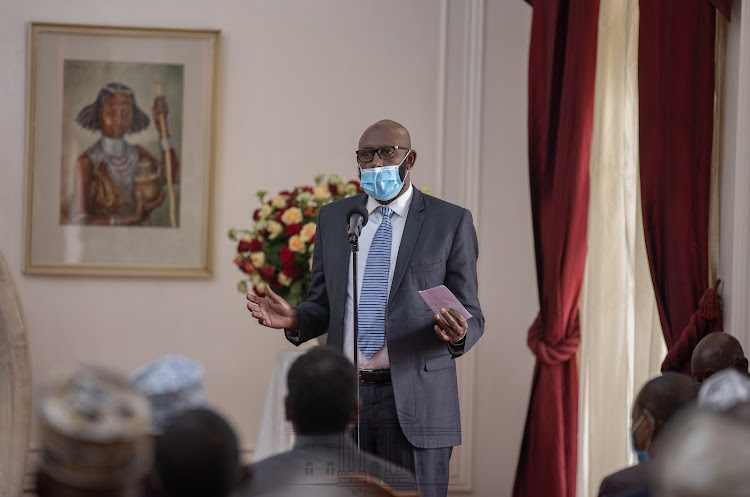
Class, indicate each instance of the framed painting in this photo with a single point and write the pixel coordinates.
(120, 150)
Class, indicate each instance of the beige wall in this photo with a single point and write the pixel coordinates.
(299, 81)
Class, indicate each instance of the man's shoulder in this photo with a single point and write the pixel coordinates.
(436, 203)
(342, 205)
(630, 478)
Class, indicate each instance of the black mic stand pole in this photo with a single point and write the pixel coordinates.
(354, 240)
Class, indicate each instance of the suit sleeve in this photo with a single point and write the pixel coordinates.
(461, 279)
(314, 312)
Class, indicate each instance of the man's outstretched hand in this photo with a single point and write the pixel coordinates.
(273, 311)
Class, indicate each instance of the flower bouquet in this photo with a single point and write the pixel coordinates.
(277, 250)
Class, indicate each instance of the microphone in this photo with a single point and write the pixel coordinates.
(356, 218)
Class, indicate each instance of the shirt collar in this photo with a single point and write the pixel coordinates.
(400, 206)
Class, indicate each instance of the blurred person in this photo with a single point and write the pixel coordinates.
(702, 454)
(716, 352)
(197, 455)
(724, 390)
(322, 407)
(95, 436)
(656, 403)
(173, 384)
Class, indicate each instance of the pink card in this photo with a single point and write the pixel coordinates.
(442, 298)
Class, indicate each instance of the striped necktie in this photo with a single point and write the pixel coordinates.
(374, 295)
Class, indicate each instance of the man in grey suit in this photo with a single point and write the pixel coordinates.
(322, 407)
(408, 385)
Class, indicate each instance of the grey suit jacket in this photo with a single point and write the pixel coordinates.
(321, 465)
(439, 247)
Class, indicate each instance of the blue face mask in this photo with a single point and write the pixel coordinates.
(641, 455)
(382, 183)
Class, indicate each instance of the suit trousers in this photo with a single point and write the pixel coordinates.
(380, 433)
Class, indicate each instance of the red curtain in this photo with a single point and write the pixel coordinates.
(676, 91)
(562, 64)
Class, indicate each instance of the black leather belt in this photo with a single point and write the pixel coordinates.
(375, 376)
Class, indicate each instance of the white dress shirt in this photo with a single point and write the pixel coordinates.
(400, 208)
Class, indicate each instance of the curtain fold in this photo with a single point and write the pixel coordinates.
(676, 90)
(619, 319)
(562, 62)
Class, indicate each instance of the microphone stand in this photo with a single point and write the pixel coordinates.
(354, 240)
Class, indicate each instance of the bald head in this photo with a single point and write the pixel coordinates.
(664, 395)
(385, 132)
(716, 352)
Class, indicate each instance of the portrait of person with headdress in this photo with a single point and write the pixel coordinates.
(114, 182)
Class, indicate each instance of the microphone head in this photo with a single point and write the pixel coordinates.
(358, 209)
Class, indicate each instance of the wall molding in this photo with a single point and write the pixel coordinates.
(461, 72)
(739, 318)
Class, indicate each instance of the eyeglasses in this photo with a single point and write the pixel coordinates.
(386, 153)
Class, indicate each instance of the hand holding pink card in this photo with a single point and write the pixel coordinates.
(440, 297)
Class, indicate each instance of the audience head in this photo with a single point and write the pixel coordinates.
(716, 352)
(322, 392)
(724, 390)
(173, 384)
(659, 399)
(197, 455)
(702, 454)
(95, 433)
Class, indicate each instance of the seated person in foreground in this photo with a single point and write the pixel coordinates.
(702, 454)
(724, 390)
(95, 436)
(659, 399)
(322, 406)
(197, 456)
(716, 352)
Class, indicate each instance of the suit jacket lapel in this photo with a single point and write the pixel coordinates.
(408, 240)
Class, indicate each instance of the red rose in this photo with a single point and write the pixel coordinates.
(256, 214)
(312, 241)
(286, 256)
(256, 245)
(308, 210)
(290, 270)
(307, 189)
(334, 189)
(285, 193)
(353, 182)
(246, 266)
(259, 292)
(244, 246)
(293, 229)
(275, 283)
(279, 214)
(267, 273)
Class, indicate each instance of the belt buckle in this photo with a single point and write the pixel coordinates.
(361, 378)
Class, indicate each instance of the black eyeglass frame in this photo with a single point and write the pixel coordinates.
(377, 151)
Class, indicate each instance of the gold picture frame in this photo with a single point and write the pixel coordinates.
(120, 150)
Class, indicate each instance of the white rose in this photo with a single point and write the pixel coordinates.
(284, 279)
(321, 192)
(274, 229)
(265, 210)
(297, 245)
(278, 201)
(292, 216)
(258, 259)
(308, 231)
